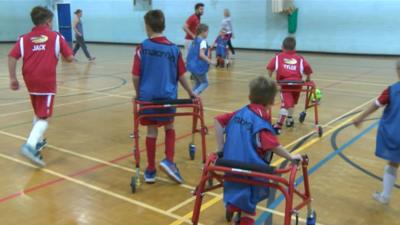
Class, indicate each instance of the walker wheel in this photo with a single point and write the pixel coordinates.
(133, 184)
(192, 151)
(302, 117)
(228, 215)
(320, 131)
(312, 219)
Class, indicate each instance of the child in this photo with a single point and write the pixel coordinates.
(157, 68)
(198, 61)
(288, 66)
(40, 50)
(249, 138)
(221, 49)
(387, 140)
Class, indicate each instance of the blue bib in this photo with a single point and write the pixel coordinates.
(388, 136)
(194, 63)
(158, 79)
(240, 145)
(221, 47)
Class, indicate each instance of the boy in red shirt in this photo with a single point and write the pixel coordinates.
(249, 138)
(40, 50)
(288, 66)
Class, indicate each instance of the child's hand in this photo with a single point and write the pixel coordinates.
(14, 85)
(192, 95)
(296, 157)
(357, 122)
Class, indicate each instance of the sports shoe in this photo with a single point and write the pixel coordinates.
(40, 145)
(150, 176)
(171, 170)
(32, 154)
(289, 122)
(277, 127)
(380, 198)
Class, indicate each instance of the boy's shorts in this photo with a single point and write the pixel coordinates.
(157, 121)
(149, 122)
(290, 98)
(42, 105)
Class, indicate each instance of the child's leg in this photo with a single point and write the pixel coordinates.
(169, 142)
(196, 82)
(151, 147)
(36, 135)
(389, 178)
(203, 79)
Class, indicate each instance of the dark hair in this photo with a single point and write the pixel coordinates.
(289, 43)
(198, 5)
(155, 20)
(262, 91)
(78, 11)
(40, 15)
(201, 28)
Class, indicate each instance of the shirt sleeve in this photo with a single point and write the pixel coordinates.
(271, 64)
(136, 62)
(203, 44)
(224, 118)
(181, 65)
(268, 141)
(64, 48)
(307, 68)
(383, 99)
(16, 50)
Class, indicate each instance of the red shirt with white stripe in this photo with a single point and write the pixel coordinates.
(383, 99)
(163, 40)
(265, 139)
(40, 50)
(289, 66)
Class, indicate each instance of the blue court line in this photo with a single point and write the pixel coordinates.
(264, 216)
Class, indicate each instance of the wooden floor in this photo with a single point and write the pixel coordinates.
(89, 161)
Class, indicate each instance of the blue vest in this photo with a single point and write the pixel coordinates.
(194, 63)
(158, 78)
(221, 47)
(388, 136)
(240, 145)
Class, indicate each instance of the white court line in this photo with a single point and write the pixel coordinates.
(99, 189)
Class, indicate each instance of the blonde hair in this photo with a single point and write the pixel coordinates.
(201, 28)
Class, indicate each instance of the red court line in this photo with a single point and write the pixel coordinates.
(76, 174)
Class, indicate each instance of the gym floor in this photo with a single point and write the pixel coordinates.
(89, 156)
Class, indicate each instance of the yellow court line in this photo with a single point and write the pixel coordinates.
(99, 189)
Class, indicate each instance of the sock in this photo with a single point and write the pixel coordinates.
(35, 119)
(389, 179)
(151, 153)
(282, 116)
(170, 144)
(246, 221)
(37, 132)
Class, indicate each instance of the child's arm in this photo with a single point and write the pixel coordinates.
(204, 57)
(12, 68)
(219, 135)
(135, 80)
(270, 72)
(371, 109)
(185, 85)
(285, 154)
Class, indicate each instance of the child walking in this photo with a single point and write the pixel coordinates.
(387, 139)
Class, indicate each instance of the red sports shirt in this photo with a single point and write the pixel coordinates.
(136, 59)
(192, 22)
(265, 139)
(383, 99)
(289, 66)
(40, 50)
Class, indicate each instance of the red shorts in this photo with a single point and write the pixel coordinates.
(42, 105)
(290, 98)
(148, 122)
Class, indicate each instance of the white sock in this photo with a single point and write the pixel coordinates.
(389, 179)
(35, 119)
(37, 132)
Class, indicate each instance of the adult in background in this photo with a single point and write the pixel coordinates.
(227, 26)
(80, 41)
(191, 24)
